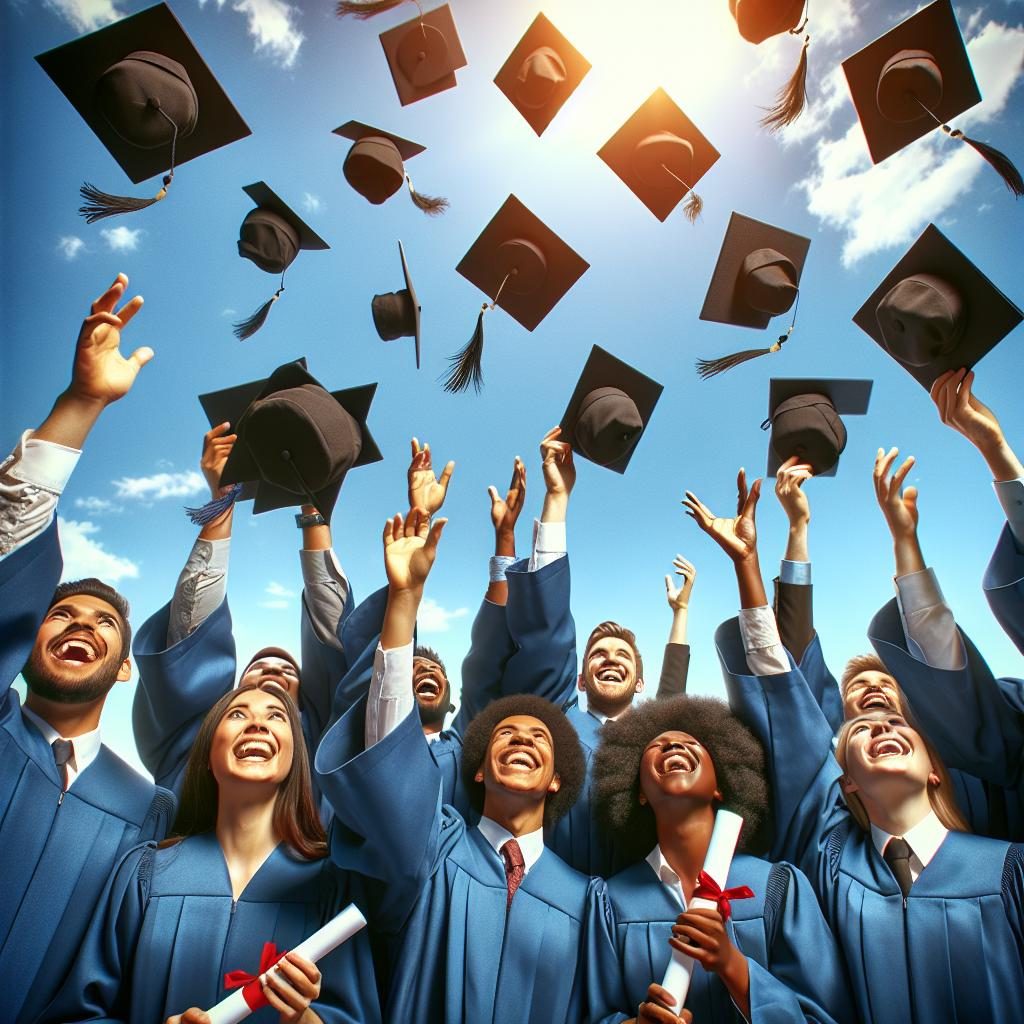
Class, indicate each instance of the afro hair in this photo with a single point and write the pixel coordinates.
(739, 766)
(92, 587)
(423, 651)
(569, 762)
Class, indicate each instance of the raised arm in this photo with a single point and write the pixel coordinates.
(675, 665)
(504, 516)
(793, 604)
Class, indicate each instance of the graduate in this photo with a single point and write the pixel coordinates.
(246, 864)
(928, 917)
(71, 807)
(662, 771)
(482, 922)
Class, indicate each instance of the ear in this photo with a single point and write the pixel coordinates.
(933, 778)
(717, 796)
(581, 683)
(555, 784)
(124, 673)
(848, 785)
(639, 686)
(479, 777)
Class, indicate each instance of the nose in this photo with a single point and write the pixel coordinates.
(257, 727)
(523, 739)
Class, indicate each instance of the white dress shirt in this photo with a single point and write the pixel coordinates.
(84, 747)
(531, 844)
(924, 840)
(549, 544)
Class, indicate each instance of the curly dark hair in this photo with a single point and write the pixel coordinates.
(739, 766)
(569, 762)
(423, 651)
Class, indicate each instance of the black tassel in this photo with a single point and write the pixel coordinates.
(432, 206)
(214, 508)
(364, 9)
(792, 97)
(1003, 165)
(708, 368)
(465, 367)
(693, 206)
(102, 204)
(246, 328)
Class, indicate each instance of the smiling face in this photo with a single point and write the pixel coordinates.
(520, 759)
(273, 669)
(253, 740)
(871, 690)
(77, 657)
(880, 751)
(432, 690)
(610, 675)
(675, 765)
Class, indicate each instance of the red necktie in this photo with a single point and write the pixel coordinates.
(515, 867)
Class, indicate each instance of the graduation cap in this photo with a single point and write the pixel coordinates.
(397, 314)
(423, 54)
(375, 166)
(661, 155)
(296, 440)
(936, 311)
(758, 20)
(526, 267)
(609, 410)
(757, 276)
(805, 417)
(915, 78)
(142, 87)
(541, 73)
(271, 236)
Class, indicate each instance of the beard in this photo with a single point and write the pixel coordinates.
(434, 713)
(54, 687)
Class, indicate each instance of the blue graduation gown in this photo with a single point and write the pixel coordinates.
(795, 970)
(974, 720)
(168, 931)
(1004, 587)
(438, 892)
(55, 855)
(952, 951)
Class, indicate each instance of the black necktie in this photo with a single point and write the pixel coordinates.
(63, 751)
(897, 855)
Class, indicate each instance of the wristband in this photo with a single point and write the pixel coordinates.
(312, 519)
(498, 566)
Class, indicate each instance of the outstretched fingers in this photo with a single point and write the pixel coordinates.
(109, 299)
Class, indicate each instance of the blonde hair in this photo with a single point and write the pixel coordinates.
(861, 663)
(940, 795)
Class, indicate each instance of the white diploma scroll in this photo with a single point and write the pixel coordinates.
(338, 930)
(724, 838)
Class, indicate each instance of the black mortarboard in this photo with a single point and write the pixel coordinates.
(271, 236)
(397, 314)
(936, 311)
(805, 417)
(296, 441)
(541, 73)
(375, 165)
(522, 266)
(609, 410)
(757, 277)
(661, 155)
(915, 78)
(142, 87)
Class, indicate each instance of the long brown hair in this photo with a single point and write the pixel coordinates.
(295, 815)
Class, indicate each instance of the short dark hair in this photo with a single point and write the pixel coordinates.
(620, 632)
(423, 651)
(92, 587)
(739, 766)
(569, 762)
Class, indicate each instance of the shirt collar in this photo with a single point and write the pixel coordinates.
(924, 838)
(86, 746)
(666, 874)
(531, 844)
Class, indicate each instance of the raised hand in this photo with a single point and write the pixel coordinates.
(505, 511)
(217, 445)
(679, 597)
(737, 537)
(556, 459)
(410, 546)
(789, 490)
(425, 490)
(899, 509)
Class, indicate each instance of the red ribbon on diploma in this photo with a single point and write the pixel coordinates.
(709, 889)
(252, 993)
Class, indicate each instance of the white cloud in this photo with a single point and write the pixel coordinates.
(160, 485)
(97, 506)
(312, 203)
(84, 556)
(432, 618)
(69, 246)
(229, 312)
(272, 24)
(847, 192)
(275, 589)
(122, 239)
(275, 605)
(86, 15)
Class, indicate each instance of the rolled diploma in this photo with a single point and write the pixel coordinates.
(338, 930)
(724, 837)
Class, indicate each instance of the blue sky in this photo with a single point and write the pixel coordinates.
(296, 72)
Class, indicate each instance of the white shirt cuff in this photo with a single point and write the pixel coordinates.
(928, 622)
(391, 697)
(795, 572)
(548, 544)
(760, 632)
(43, 463)
(1011, 496)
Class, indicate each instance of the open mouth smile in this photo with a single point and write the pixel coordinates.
(428, 687)
(679, 759)
(875, 701)
(255, 749)
(79, 649)
(520, 759)
(888, 746)
(611, 674)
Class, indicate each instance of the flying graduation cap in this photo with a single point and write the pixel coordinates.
(757, 277)
(296, 441)
(423, 54)
(915, 78)
(806, 420)
(271, 235)
(661, 155)
(541, 73)
(936, 311)
(527, 269)
(142, 87)
(397, 314)
(375, 166)
(758, 20)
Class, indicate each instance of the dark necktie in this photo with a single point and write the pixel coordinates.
(897, 855)
(515, 867)
(63, 751)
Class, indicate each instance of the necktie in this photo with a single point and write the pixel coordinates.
(515, 868)
(63, 751)
(897, 856)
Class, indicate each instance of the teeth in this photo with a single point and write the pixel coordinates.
(884, 748)
(254, 749)
(81, 650)
(679, 762)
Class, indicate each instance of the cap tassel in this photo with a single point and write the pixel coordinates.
(708, 368)
(1003, 165)
(693, 207)
(432, 206)
(466, 365)
(215, 508)
(364, 9)
(246, 328)
(792, 97)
